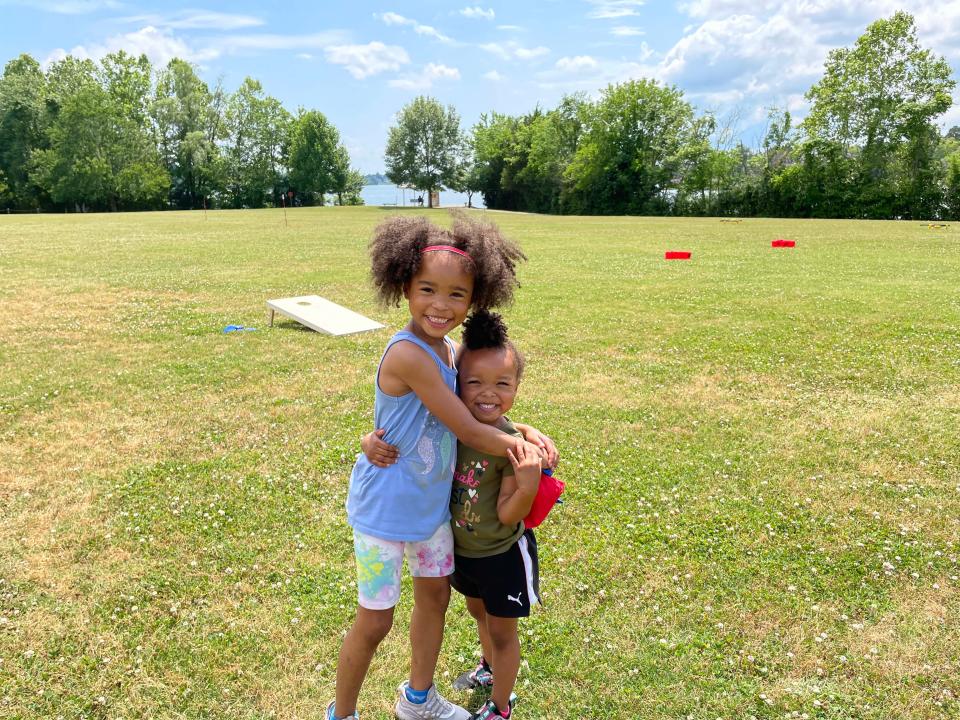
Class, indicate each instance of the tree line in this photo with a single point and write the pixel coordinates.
(869, 147)
(118, 135)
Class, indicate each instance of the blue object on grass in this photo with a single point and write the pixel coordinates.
(238, 328)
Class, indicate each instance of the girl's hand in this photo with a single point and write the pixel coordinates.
(379, 453)
(548, 451)
(525, 459)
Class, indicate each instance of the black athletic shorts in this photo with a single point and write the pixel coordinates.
(508, 583)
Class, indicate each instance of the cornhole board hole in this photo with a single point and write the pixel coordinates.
(676, 255)
(783, 243)
(321, 315)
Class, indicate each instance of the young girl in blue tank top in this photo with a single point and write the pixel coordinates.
(401, 508)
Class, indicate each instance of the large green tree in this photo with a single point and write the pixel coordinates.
(101, 153)
(316, 160)
(631, 152)
(257, 146)
(190, 124)
(23, 125)
(871, 120)
(425, 146)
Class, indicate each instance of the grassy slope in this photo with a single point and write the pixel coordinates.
(762, 449)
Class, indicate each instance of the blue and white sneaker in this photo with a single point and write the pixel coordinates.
(436, 707)
(330, 716)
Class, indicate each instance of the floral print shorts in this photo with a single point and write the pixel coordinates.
(379, 563)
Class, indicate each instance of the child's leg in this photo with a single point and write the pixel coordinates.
(430, 562)
(505, 659)
(378, 589)
(430, 599)
(361, 642)
(479, 613)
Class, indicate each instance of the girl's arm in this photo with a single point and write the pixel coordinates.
(550, 453)
(378, 451)
(518, 491)
(411, 365)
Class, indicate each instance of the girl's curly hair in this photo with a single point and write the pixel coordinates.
(484, 329)
(397, 247)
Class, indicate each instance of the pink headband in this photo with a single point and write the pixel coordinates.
(448, 248)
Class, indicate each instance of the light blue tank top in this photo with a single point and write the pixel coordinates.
(409, 500)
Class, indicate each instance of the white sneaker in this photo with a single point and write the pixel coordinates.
(436, 707)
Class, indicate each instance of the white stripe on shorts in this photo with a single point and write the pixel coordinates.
(528, 570)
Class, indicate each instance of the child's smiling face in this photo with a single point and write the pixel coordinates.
(438, 296)
(488, 383)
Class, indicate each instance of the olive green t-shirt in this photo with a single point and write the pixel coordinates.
(477, 531)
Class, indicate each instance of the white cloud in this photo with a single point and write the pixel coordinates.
(392, 18)
(476, 13)
(576, 64)
(70, 7)
(612, 9)
(531, 53)
(268, 41)
(493, 76)
(513, 50)
(626, 31)
(362, 61)
(510, 28)
(197, 20)
(305, 56)
(423, 80)
(160, 46)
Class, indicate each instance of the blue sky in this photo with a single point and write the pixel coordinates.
(359, 62)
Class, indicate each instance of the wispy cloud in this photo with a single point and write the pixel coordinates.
(425, 79)
(160, 46)
(510, 28)
(576, 64)
(68, 7)
(493, 76)
(626, 31)
(612, 9)
(392, 18)
(514, 51)
(196, 20)
(478, 13)
(362, 61)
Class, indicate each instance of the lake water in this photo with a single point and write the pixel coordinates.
(392, 195)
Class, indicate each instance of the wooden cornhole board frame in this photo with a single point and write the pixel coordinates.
(320, 314)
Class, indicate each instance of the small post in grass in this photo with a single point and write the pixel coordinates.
(283, 203)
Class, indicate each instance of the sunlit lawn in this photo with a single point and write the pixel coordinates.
(762, 450)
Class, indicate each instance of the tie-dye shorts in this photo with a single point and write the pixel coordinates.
(379, 563)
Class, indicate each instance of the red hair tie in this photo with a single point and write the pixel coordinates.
(448, 248)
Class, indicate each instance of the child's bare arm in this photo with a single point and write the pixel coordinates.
(518, 491)
(550, 454)
(412, 366)
(378, 451)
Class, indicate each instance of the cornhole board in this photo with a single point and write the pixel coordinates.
(781, 243)
(321, 315)
(676, 255)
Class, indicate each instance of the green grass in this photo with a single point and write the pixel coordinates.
(762, 450)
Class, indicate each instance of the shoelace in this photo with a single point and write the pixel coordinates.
(437, 705)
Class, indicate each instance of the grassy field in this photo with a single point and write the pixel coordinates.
(762, 450)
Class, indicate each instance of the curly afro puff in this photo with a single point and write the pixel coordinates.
(484, 329)
(397, 247)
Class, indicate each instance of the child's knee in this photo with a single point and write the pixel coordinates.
(432, 594)
(476, 609)
(374, 625)
(503, 631)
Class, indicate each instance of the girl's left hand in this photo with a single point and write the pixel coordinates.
(548, 451)
(378, 452)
